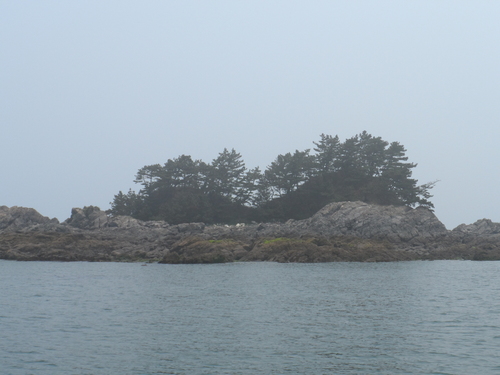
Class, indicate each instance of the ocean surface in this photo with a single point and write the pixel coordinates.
(440, 317)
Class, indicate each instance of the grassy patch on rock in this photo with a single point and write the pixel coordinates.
(200, 250)
(321, 249)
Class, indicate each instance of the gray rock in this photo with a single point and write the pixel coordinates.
(190, 227)
(343, 231)
(17, 218)
(479, 228)
(124, 222)
(90, 217)
(364, 220)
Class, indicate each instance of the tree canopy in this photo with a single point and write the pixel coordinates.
(293, 186)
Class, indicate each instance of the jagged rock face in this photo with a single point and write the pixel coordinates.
(363, 220)
(124, 222)
(90, 218)
(344, 231)
(481, 227)
(15, 218)
(87, 218)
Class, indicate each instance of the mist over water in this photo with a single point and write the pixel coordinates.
(439, 317)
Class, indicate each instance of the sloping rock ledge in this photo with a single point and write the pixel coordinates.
(342, 231)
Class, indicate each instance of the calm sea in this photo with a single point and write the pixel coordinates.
(439, 317)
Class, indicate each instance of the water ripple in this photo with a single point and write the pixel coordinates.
(246, 318)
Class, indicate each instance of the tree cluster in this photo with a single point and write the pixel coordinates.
(293, 186)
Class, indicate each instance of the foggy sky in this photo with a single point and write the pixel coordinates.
(91, 91)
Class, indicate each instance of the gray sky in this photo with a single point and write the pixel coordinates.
(91, 91)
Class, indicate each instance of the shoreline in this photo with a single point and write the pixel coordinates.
(339, 232)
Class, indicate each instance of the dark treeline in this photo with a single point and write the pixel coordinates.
(294, 185)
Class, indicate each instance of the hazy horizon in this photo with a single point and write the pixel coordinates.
(92, 91)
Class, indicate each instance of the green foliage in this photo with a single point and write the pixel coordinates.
(126, 204)
(363, 167)
(226, 176)
(327, 152)
(288, 172)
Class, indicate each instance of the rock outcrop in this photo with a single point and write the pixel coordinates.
(342, 231)
(88, 218)
(483, 227)
(16, 218)
(363, 220)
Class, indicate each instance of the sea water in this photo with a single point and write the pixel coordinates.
(440, 317)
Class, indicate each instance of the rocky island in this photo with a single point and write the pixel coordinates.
(340, 231)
